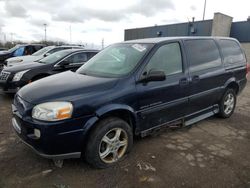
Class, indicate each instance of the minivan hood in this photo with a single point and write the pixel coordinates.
(64, 86)
(22, 67)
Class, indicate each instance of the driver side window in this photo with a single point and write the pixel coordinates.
(167, 59)
(19, 52)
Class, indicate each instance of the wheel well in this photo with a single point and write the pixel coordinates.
(122, 114)
(234, 86)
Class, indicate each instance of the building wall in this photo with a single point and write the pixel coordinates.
(221, 25)
(246, 47)
(199, 28)
(241, 31)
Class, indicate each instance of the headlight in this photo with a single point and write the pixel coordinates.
(19, 75)
(52, 111)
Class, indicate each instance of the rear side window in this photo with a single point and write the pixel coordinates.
(91, 54)
(37, 48)
(167, 58)
(202, 54)
(78, 58)
(231, 51)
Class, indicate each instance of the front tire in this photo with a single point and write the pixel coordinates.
(227, 104)
(108, 143)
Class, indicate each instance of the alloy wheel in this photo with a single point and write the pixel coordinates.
(113, 145)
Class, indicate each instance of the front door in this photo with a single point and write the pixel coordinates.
(74, 61)
(163, 101)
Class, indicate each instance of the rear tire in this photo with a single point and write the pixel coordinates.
(227, 103)
(108, 143)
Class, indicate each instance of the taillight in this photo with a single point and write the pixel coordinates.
(248, 69)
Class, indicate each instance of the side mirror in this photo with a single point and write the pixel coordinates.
(154, 75)
(64, 63)
(47, 54)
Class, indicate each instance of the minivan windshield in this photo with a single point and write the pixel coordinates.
(53, 58)
(116, 60)
(42, 51)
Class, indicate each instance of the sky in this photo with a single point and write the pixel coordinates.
(91, 22)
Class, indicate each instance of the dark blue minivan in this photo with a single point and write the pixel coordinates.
(130, 88)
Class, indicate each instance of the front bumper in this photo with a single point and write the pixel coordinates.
(11, 87)
(59, 140)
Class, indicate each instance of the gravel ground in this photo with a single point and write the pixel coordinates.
(211, 153)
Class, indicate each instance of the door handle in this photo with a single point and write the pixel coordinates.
(195, 79)
(183, 81)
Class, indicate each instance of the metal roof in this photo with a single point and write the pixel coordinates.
(163, 39)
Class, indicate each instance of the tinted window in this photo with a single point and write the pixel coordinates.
(91, 54)
(231, 51)
(202, 54)
(36, 48)
(167, 58)
(77, 58)
(28, 50)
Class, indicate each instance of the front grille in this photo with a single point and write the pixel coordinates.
(4, 75)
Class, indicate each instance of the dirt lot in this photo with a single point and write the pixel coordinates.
(212, 153)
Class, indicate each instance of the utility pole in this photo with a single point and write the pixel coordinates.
(4, 38)
(70, 35)
(45, 32)
(11, 34)
(204, 11)
(102, 43)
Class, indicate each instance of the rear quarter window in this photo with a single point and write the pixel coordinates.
(202, 54)
(36, 48)
(231, 51)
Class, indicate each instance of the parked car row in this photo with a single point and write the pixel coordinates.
(38, 55)
(130, 88)
(12, 78)
(19, 50)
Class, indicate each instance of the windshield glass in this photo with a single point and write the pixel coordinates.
(115, 61)
(14, 48)
(55, 57)
(42, 51)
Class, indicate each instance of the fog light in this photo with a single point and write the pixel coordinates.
(37, 133)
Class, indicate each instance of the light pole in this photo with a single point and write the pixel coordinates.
(45, 32)
(70, 35)
(204, 11)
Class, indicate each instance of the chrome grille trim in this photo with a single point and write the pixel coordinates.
(4, 75)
